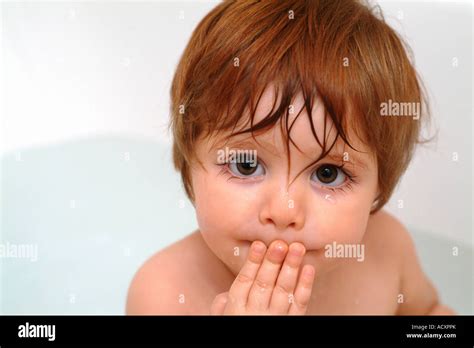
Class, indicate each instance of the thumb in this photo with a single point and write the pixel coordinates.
(219, 303)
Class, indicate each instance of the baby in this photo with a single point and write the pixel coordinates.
(288, 152)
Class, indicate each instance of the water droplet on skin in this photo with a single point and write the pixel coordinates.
(330, 199)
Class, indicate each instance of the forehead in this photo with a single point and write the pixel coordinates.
(301, 132)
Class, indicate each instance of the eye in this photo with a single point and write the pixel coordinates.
(330, 175)
(246, 169)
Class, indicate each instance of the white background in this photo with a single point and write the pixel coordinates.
(75, 72)
(78, 69)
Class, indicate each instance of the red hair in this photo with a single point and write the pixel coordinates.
(342, 51)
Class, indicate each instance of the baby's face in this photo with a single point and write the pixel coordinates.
(238, 203)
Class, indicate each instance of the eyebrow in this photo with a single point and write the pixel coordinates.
(353, 159)
(249, 143)
(335, 155)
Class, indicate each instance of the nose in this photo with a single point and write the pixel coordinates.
(283, 209)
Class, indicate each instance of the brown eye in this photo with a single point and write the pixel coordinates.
(246, 168)
(250, 169)
(328, 174)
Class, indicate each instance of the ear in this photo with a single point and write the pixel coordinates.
(375, 200)
(376, 196)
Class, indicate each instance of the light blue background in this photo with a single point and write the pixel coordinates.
(124, 211)
(86, 171)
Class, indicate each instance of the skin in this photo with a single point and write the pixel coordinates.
(265, 281)
(267, 208)
(291, 224)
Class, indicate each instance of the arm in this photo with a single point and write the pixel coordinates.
(440, 309)
(419, 295)
(151, 292)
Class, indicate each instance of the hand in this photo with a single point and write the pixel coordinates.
(265, 286)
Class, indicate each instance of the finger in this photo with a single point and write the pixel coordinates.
(239, 291)
(219, 303)
(303, 291)
(262, 288)
(283, 292)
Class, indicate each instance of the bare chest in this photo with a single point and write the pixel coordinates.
(351, 291)
(368, 289)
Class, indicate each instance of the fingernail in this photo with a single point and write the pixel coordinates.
(258, 247)
(297, 249)
(279, 246)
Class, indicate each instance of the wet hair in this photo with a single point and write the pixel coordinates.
(342, 52)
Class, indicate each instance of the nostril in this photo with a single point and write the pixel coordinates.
(269, 221)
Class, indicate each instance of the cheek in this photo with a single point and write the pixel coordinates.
(343, 222)
(226, 212)
(222, 214)
(218, 207)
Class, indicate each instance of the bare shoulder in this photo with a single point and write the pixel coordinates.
(392, 242)
(160, 284)
(388, 237)
(387, 245)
